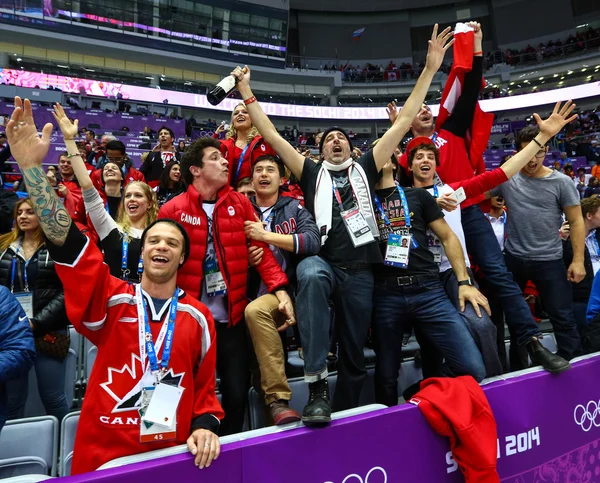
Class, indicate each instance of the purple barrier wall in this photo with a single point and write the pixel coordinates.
(107, 121)
(548, 431)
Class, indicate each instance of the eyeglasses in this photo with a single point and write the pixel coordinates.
(541, 154)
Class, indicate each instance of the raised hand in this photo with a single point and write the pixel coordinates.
(392, 111)
(242, 76)
(68, 128)
(557, 120)
(438, 45)
(27, 147)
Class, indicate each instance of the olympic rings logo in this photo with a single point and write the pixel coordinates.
(354, 478)
(588, 415)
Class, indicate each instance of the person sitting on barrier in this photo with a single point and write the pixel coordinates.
(217, 271)
(242, 145)
(408, 289)
(338, 192)
(120, 240)
(116, 154)
(533, 251)
(170, 184)
(17, 351)
(131, 406)
(155, 162)
(292, 234)
(28, 271)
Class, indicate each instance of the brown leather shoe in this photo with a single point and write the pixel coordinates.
(282, 413)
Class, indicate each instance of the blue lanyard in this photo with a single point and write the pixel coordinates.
(239, 166)
(150, 349)
(13, 269)
(124, 256)
(436, 193)
(383, 214)
(434, 137)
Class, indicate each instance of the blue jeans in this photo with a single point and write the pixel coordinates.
(436, 320)
(550, 279)
(50, 374)
(351, 291)
(483, 247)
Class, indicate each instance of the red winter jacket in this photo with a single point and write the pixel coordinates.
(258, 147)
(231, 246)
(457, 408)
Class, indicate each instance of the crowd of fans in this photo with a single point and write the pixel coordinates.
(575, 44)
(203, 259)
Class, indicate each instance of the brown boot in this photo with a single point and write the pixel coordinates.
(282, 413)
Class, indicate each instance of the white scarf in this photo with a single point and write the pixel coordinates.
(324, 196)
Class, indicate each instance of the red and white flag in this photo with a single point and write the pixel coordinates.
(478, 135)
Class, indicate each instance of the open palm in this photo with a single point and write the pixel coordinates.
(68, 128)
(26, 145)
(557, 120)
(438, 45)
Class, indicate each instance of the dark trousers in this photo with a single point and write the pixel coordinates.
(483, 247)
(438, 325)
(233, 369)
(351, 291)
(550, 279)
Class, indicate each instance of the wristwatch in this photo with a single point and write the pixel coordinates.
(468, 282)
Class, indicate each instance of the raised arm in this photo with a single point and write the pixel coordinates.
(70, 130)
(549, 128)
(29, 150)
(438, 45)
(292, 158)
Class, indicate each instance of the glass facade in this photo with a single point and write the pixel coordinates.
(224, 27)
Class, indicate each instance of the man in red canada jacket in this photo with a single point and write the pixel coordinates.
(217, 270)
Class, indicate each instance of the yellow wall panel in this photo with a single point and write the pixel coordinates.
(114, 63)
(175, 73)
(92, 60)
(189, 74)
(34, 52)
(11, 48)
(155, 69)
(135, 66)
(75, 58)
(57, 55)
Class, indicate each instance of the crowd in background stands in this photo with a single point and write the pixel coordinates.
(406, 71)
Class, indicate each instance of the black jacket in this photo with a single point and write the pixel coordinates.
(153, 167)
(581, 290)
(49, 312)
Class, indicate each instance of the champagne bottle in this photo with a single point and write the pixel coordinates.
(221, 90)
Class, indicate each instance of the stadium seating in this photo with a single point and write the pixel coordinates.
(68, 429)
(29, 446)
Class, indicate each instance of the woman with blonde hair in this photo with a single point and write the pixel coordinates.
(242, 145)
(120, 239)
(28, 271)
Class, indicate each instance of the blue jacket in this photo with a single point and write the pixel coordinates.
(17, 350)
(593, 308)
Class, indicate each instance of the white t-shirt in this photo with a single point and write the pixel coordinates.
(454, 219)
(266, 212)
(215, 304)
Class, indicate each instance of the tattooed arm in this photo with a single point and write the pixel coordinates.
(29, 150)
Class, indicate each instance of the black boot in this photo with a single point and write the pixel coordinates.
(542, 356)
(318, 407)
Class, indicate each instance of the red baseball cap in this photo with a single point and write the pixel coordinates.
(414, 142)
